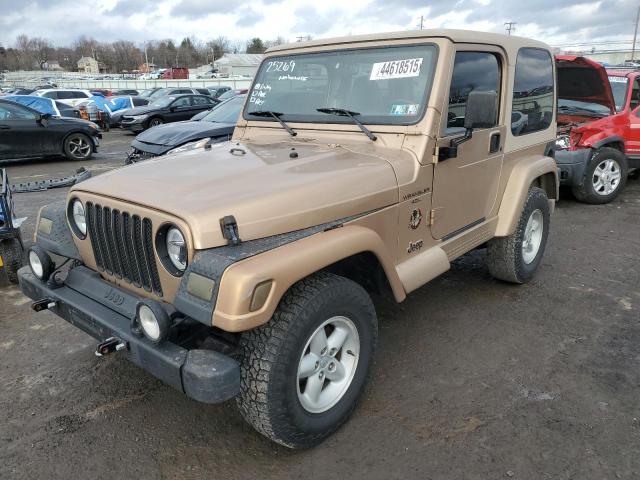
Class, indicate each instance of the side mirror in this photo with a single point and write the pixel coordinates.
(481, 111)
(43, 117)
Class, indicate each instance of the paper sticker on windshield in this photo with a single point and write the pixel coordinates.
(396, 69)
(617, 80)
(411, 109)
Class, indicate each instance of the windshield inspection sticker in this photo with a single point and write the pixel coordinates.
(396, 69)
(411, 109)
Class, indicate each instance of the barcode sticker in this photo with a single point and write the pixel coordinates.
(396, 69)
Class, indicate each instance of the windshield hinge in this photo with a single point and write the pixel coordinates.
(436, 153)
(432, 217)
(229, 228)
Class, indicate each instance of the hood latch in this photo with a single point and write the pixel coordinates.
(229, 228)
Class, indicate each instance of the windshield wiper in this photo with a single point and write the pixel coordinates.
(352, 115)
(276, 115)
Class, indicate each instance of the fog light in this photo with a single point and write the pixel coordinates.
(152, 320)
(40, 262)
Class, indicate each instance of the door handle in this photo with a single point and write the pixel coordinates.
(495, 144)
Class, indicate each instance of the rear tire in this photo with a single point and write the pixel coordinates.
(78, 147)
(290, 392)
(11, 252)
(604, 177)
(516, 258)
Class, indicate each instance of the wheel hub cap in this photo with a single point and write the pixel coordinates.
(606, 177)
(532, 236)
(327, 364)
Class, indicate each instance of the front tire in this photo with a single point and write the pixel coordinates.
(516, 258)
(303, 372)
(11, 252)
(78, 147)
(154, 122)
(604, 177)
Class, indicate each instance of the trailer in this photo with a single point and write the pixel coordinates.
(11, 246)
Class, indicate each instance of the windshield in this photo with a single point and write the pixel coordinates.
(226, 112)
(387, 85)
(159, 93)
(587, 107)
(162, 102)
(619, 89)
(147, 93)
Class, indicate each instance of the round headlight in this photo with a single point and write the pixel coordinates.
(40, 262)
(153, 320)
(78, 217)
(177, 249)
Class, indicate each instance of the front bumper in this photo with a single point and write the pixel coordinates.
(103, 311)
(133, 125)
(571, 165)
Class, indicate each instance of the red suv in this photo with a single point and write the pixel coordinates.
(598, 128)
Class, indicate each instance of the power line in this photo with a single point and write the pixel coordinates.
(510, 26)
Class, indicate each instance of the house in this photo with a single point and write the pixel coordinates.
(147, 67)
(88, 65)
(52, 65)
(238, 64)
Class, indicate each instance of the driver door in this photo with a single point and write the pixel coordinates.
(465, 186)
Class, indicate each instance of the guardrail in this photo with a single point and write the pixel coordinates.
(132, 83)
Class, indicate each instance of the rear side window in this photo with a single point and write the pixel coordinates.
(51, 95)
(533, 100)
(201, 101)
(472, 72)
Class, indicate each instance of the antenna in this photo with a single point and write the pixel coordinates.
(510, 26)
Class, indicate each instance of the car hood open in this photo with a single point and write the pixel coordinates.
(270, 188)
(174, 134)
(584, 80)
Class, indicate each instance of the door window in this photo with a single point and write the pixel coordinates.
(533, 100)
(199, 101)
(182, 102)
(51, 95)
(15, 112)
(635, 94)
(472, 72)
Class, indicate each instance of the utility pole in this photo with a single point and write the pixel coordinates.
(635, 36)
(146, 58)
(421, 22)
(510, 26)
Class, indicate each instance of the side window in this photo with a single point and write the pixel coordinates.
(532, 108)
(51, 95)
(635, 93)
(201, 101)
(64, 95)
(182, 102)
(15, 112)
(472, 71)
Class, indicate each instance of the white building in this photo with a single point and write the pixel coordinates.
(237, 64)
(88, 65)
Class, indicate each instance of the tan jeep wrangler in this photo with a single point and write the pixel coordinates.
(359, 164)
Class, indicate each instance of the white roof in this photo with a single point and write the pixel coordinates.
(240, 59)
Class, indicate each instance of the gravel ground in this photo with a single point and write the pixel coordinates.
(474, 379)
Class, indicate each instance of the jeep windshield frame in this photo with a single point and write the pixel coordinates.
(386, 85)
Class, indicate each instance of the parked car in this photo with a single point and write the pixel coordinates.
(162, 92)
(216, 126)
(27, 133)
(101, 91)
(19, 91)
(69, 96)
(217, 90)
(598, 128)
(232, 93)
(126, 91)
(171, 108)
(116, 117)
(148, 92)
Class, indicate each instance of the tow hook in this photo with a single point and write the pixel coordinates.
(44, 304)
(110, 345)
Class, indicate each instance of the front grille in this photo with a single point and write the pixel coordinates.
(123, 246)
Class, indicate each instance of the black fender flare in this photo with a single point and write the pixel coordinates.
(605, 141)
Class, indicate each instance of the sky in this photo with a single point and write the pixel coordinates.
(557, 22)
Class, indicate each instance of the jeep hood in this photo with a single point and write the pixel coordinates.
(584, 80)
(270, 188)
